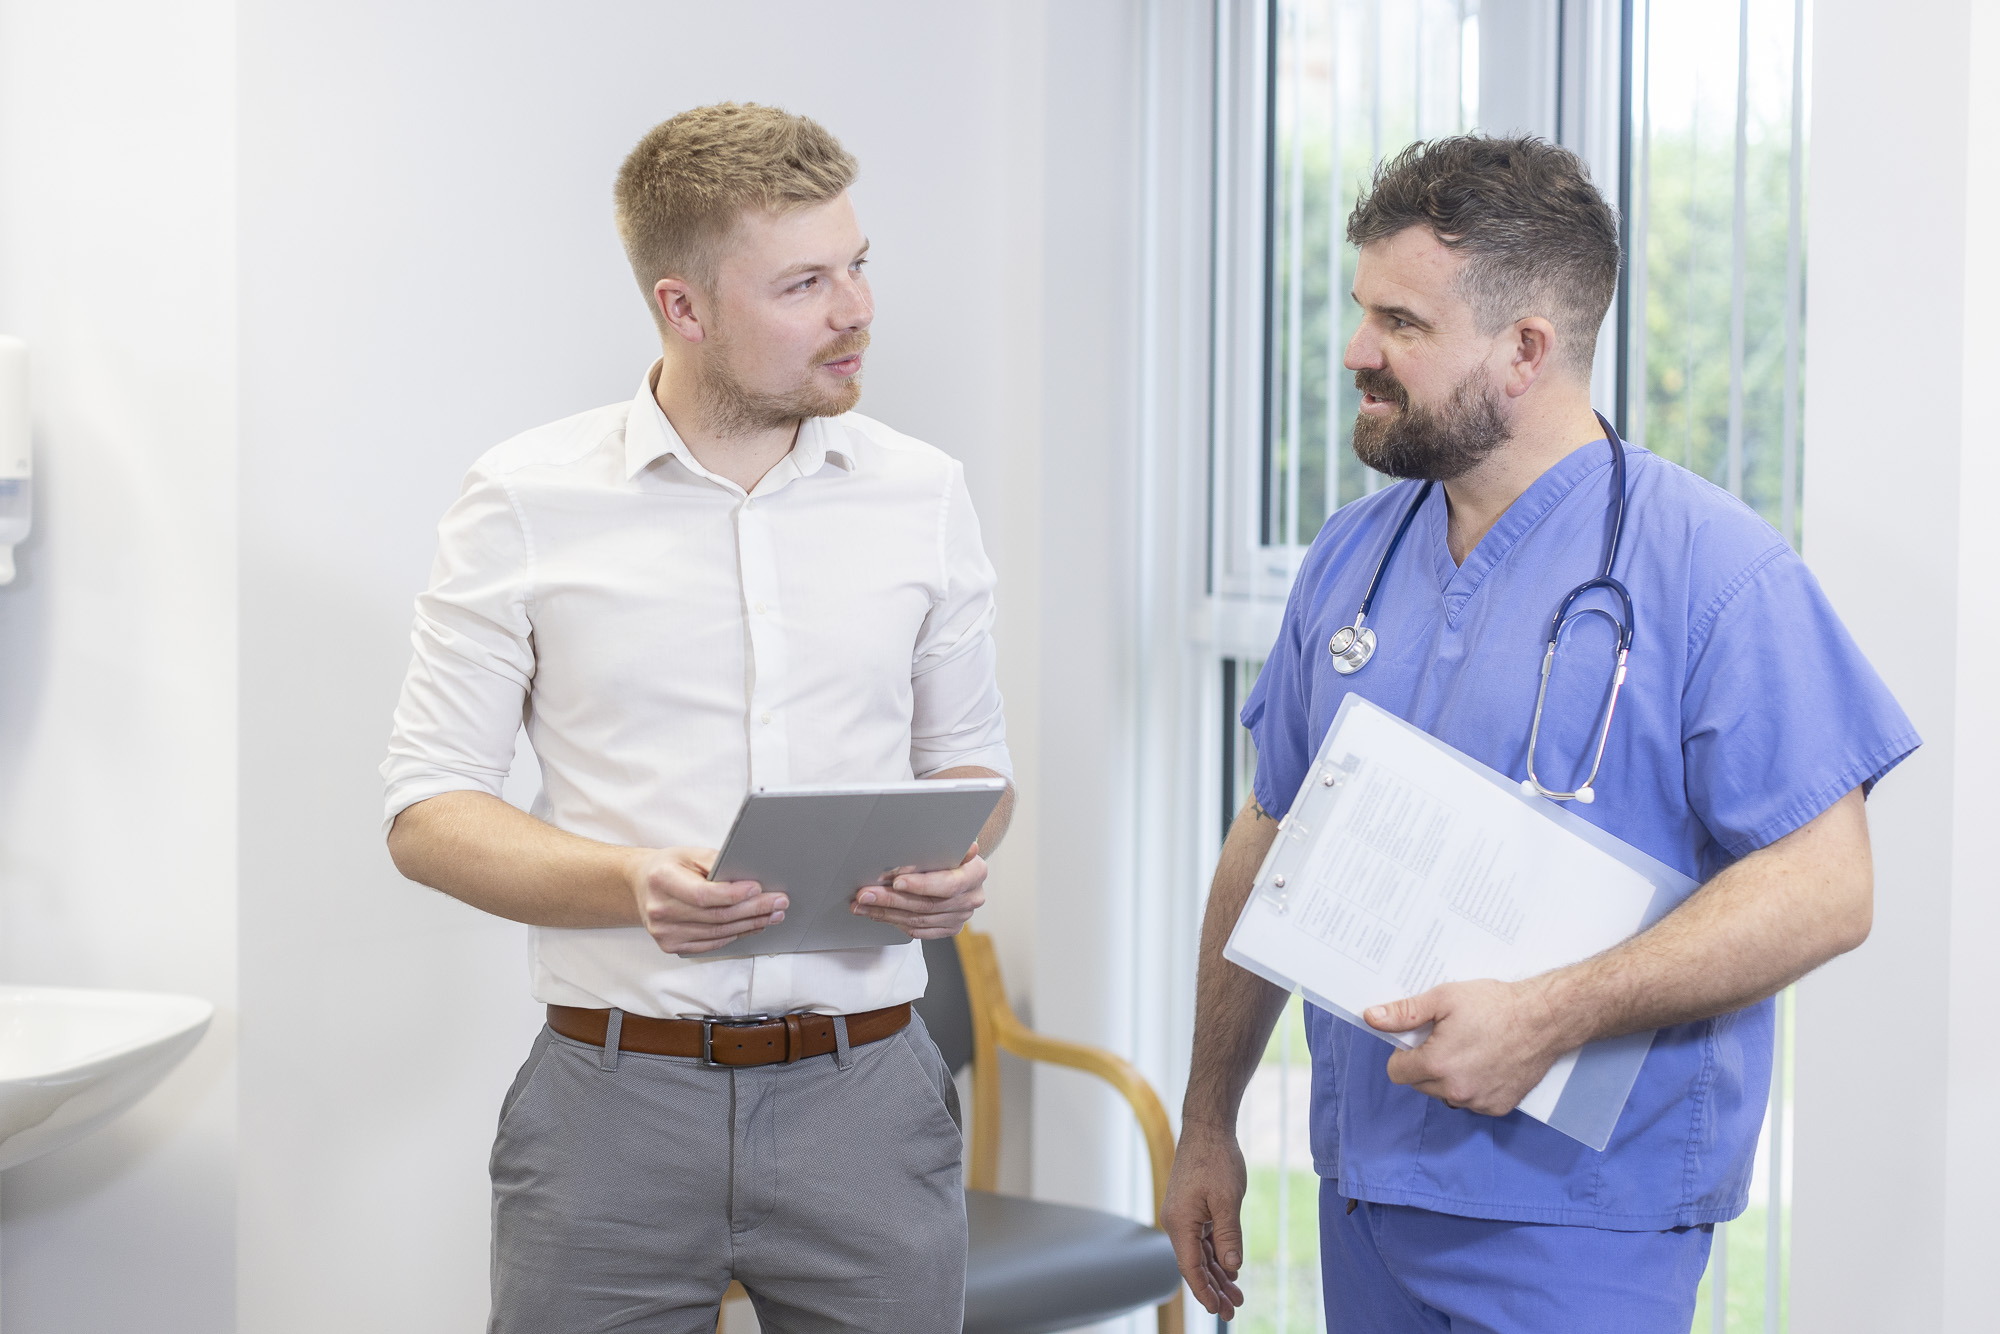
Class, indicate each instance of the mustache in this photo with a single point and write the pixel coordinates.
(1380, 384)
(842, 348)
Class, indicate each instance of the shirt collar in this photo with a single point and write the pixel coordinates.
(650, 436)
(1554, 486)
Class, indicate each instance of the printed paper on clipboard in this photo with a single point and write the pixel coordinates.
(1403, 864)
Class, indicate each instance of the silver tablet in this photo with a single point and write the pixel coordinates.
(820, 845)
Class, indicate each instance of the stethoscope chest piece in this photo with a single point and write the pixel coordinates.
(1351, 646)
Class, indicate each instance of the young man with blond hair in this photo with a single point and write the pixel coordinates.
(730, 581)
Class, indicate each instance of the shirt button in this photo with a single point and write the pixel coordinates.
(749, 504)
(766, 717)
(757, 607)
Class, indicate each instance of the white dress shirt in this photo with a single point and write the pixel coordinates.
(671, 642)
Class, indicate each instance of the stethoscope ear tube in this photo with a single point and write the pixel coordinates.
(1352, 646)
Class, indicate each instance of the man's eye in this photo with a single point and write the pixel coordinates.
(807, 284)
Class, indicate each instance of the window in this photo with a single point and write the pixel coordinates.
(1691, 117)
(1331, 88)
(1715, 339)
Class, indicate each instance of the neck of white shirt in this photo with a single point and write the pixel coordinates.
(742, 458)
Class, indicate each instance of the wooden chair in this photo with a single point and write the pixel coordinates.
(1035, 1266)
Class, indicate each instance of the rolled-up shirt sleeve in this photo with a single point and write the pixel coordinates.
(474, 657)
(956, 719)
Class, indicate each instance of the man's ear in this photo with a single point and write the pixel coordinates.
(682, 309)
(1533, 354)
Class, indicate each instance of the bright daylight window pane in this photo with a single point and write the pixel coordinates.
(1689, 201)
(1719, 205)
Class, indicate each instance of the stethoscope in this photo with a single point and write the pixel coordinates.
(1353, 645)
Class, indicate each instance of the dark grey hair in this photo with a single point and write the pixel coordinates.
(1537, 237)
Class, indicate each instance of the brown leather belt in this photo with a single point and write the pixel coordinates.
(749, 1040)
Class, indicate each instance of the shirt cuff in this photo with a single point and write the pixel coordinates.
(407, 791)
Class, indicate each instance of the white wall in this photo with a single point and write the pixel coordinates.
(428, 266)
(1971, 1226)
(1897, 1078)
(1085, 928)
(118, 642)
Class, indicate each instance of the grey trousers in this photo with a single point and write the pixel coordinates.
(629, 1189)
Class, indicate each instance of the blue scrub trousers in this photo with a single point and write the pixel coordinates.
(1390, 1269)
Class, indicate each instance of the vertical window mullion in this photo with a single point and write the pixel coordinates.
(1284, 1283)
(1268, 425)
(1375, 90)
(1788, 520)
(1371, 480)
(1417, 72)
(1694, 251)
(1230, 744)
(1335, 304)
(1739, 253)
(1642, 225)
(1774, 1207)
(1295, 234)
(1463, 122)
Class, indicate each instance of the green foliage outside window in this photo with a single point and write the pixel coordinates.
(1689, 263)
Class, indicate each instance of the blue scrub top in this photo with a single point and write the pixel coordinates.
(1748, 710)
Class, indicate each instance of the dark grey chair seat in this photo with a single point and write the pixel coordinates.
(1037, 1267)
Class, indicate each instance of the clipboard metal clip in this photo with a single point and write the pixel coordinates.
(1293, 829)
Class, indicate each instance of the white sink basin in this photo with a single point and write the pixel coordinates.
(73, 1058)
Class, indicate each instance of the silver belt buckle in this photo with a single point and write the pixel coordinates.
(710, 1022)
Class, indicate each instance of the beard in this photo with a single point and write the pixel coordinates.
(732, 407)
(1430, 444)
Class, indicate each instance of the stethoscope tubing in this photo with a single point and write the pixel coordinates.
(1603, 579)
(1354, 646)
(1382, 566)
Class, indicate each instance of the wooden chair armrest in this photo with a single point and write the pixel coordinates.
(1016, 1037)
(996, 1026)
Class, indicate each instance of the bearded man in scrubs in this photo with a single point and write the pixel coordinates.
(1746, 739)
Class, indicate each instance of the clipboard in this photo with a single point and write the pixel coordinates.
(820, 845)
(1404, 863)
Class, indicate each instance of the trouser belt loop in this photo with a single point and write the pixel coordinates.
(843, 1055)
(795, 1039)
(613, 1024)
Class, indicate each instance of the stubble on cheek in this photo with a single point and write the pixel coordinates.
(737, 409)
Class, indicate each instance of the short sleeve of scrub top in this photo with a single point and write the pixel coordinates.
(1749, 710)
(1780, 728)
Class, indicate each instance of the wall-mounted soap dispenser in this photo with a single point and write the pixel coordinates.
(17, 486)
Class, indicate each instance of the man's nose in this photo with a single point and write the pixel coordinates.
(856, 308)
(1364, 353)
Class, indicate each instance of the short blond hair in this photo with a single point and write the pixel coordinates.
(683, 189)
